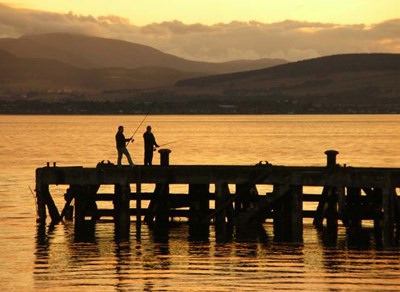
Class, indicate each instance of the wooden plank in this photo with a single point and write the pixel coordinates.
(306, 176)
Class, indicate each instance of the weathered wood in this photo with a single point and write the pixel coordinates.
(199, 210)
(158, 205)
(40, 200)
(138, 209)
(122, 212)
(51, 206)
(332, 211)
(321, 208)
(389, 201)
(203, 174)
(69, 196)
(246, 195)
(262, 209)
(221, 219)
(341, 197)
(282, 218)
(296, 207)
(353, 204)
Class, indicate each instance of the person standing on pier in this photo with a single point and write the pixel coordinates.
(149, 146)
(121, 146)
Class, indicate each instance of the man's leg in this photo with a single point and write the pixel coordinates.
(128, 156)
(119, 156)
(150, 159)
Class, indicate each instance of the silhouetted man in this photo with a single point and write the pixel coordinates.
(149, 144)
(121, 145)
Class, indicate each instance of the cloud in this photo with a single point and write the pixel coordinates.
(291, 40)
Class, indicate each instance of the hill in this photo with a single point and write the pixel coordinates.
(35, 74)
(350, 83)
(339, 79)
(90, 52)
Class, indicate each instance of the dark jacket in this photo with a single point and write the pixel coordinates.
(149, 141)
(120, 139)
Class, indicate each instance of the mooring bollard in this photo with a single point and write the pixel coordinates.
(164, 156)
(331, 157)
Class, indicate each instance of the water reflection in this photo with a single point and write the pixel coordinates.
(151, 264)
(122, 267)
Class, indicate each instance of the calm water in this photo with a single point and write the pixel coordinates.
(51, 260)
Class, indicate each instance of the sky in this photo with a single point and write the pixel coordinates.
(219, 30)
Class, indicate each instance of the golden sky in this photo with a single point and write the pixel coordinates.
(141, 12)
(218, 30)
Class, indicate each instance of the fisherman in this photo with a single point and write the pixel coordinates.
(149, 146)
(121, 146)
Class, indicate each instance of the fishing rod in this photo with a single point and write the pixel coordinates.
(137, 128)
(170, 142)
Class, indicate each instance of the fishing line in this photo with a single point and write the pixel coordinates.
(171, 142)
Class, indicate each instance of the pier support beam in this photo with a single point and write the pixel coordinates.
(287, 214)
(354, 207)
(198, 211)
(389, 204)
(43, 199)
(40, 198)
(161, 210)
(374, 197)
(246, 196)
(122, 212)
(86, 212)
(332, 212)
(138, 210)
(223, 219)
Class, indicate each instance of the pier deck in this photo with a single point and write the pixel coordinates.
(229, 197)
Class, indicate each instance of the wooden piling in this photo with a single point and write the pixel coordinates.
(221, 196)
(199, 197)
(122, 211)
(40, 198)
(296, 209)
(138, 209)
(287, 214)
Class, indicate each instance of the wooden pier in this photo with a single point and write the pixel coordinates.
(233, 198)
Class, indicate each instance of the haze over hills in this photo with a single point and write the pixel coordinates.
(94, 52)
(321, 75)
(86, 63)
(349, 83)
(34, 74)
(73, 72)
(339, 80)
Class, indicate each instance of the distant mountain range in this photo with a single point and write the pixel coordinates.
(78, 71)
(79, 62)
(348, 77)
(348, 83)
